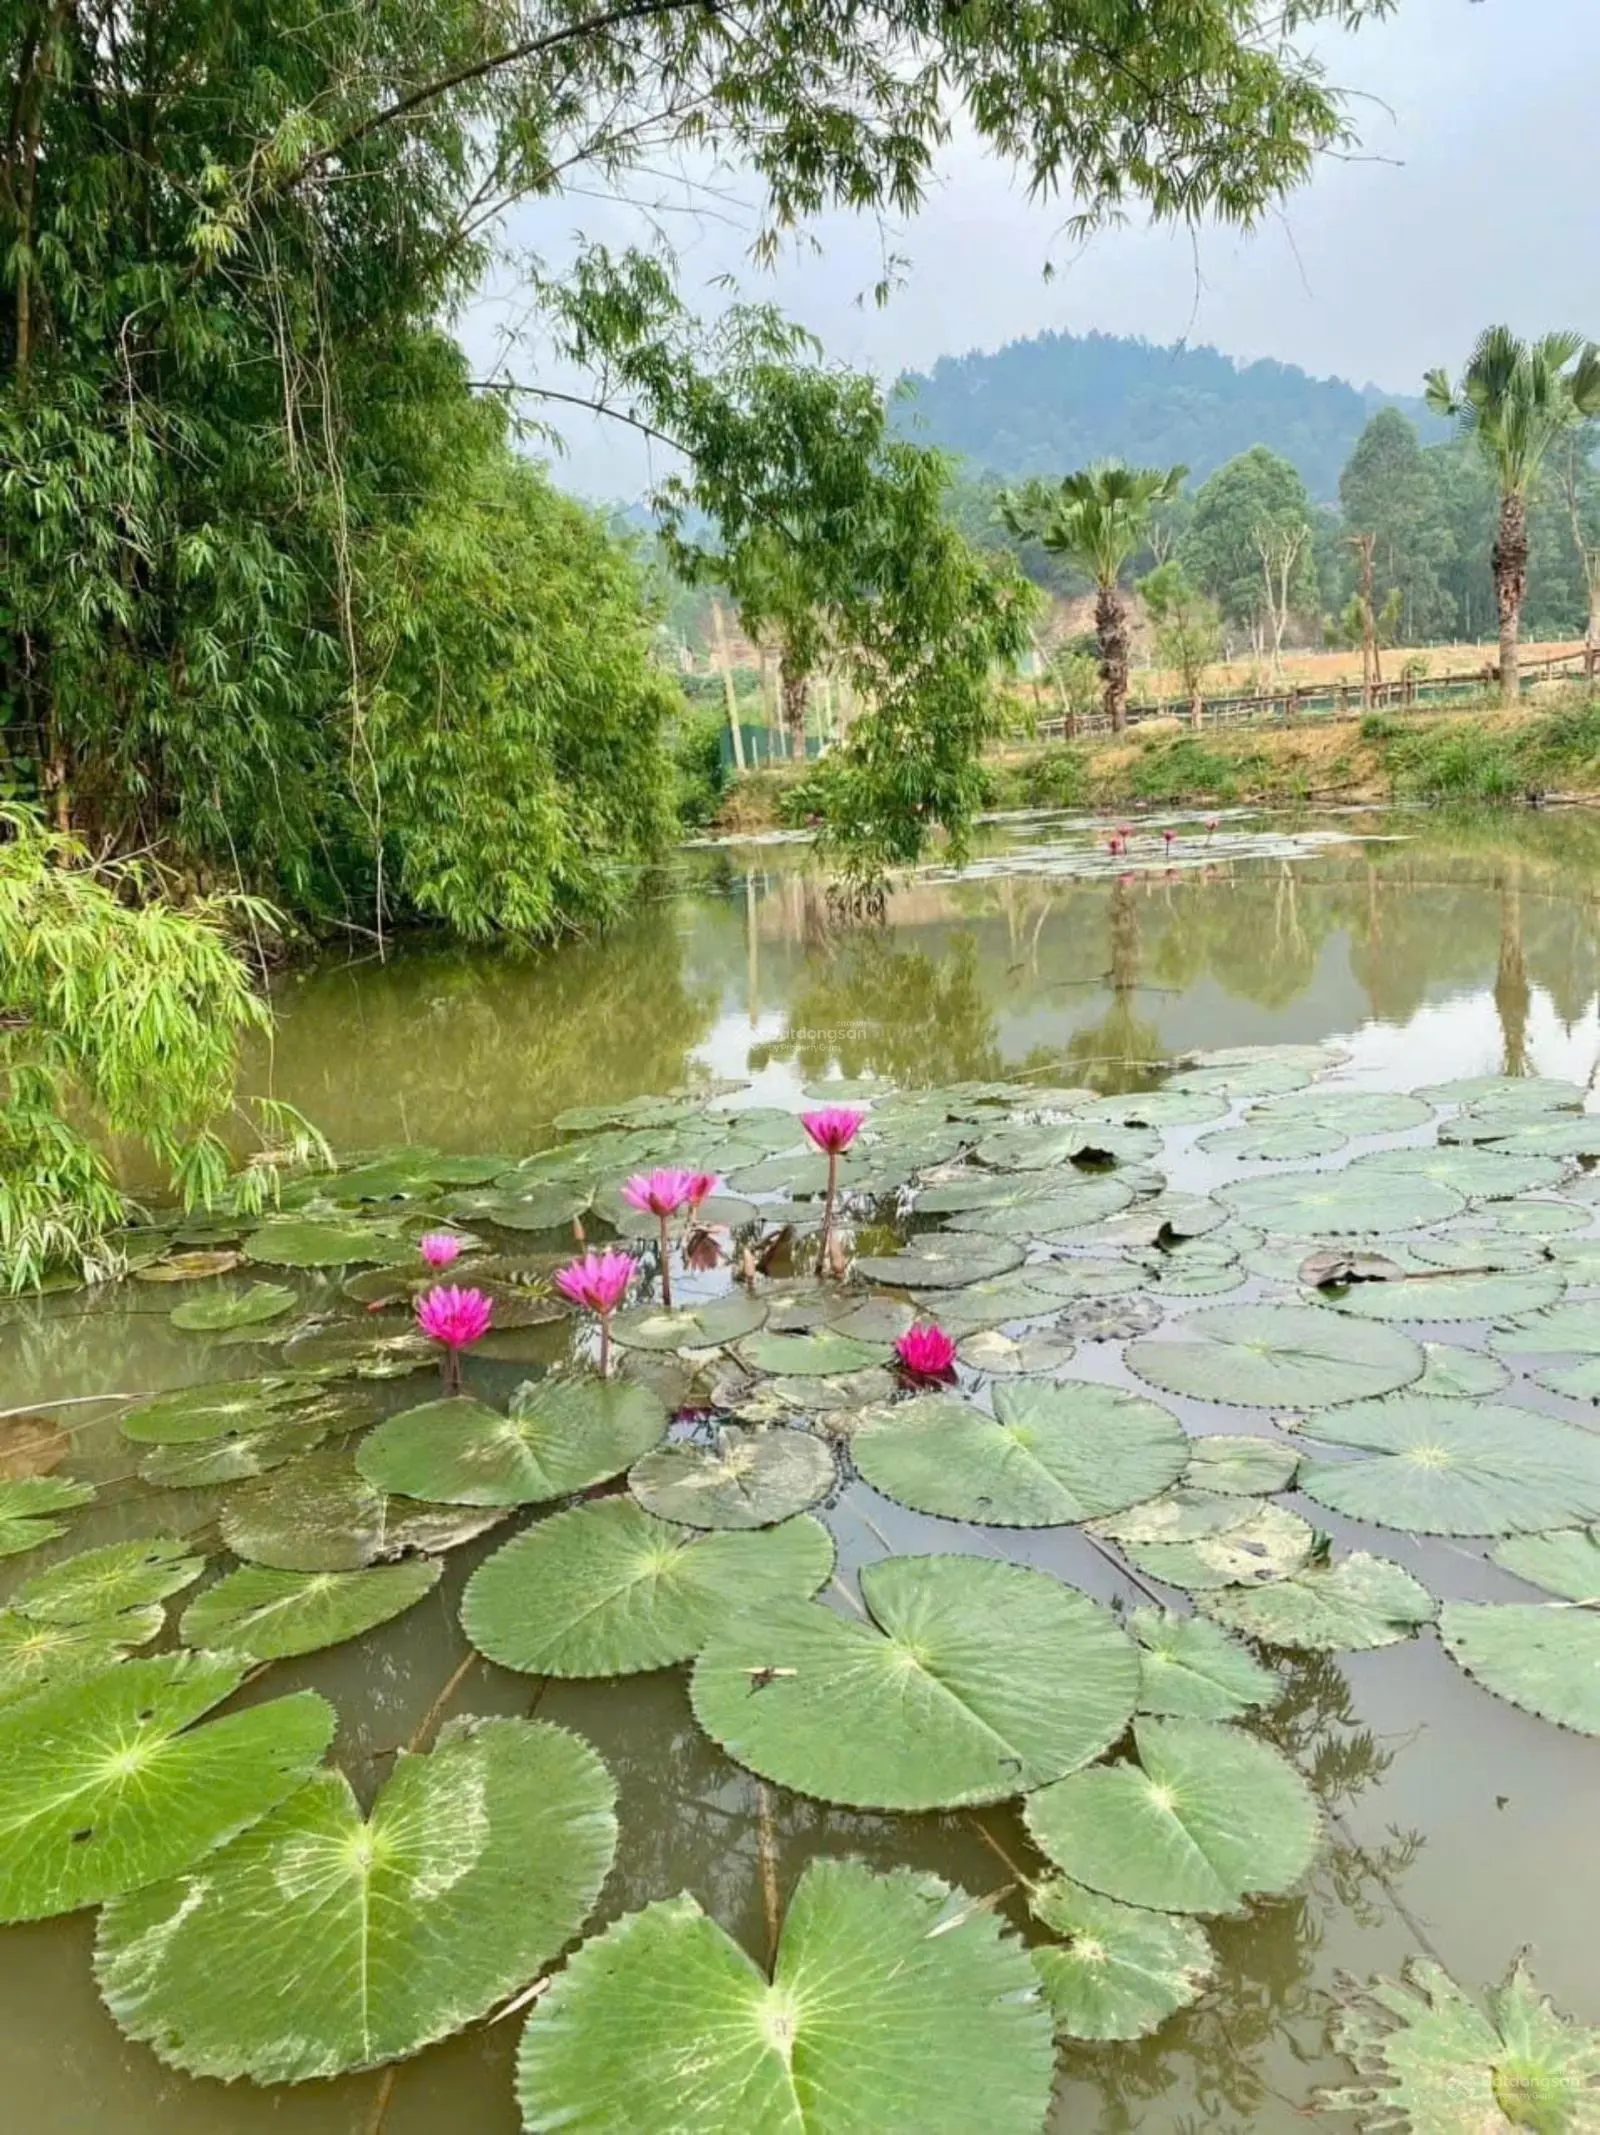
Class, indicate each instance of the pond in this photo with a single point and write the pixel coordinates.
(1368, 955)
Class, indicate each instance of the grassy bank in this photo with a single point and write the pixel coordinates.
(1474, 757)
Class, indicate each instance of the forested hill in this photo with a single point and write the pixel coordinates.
(1058, 401)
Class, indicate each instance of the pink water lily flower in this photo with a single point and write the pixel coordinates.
(833, 1130)
(599, 1282)
(927, 1353)
(701, 1187)
(439, 1248)
(455, 1319)
(661, 1194)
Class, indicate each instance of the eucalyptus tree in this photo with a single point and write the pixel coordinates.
(1516, 399)
(1098, 519)
(233, 437)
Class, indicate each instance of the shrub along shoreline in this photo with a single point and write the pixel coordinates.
(1474, 757)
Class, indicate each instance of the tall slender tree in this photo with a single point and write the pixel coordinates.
(1516, 398)
(1098, 519)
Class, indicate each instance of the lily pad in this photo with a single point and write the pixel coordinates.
(1578, 1382)
(270, 1615)
(1572, 1329)
(319, 1515)
(1198, 1267)
(1520, 1093)
(188, 1267)
(1235, 1466)
(1348, 1606)
(1048, 1148)
(821, 1355)
(1049, 1215)
(936, 1261)
(1182, 1514)
(1243, 1077)
(1276, 1356)
(1189, 1670)
(1051, 1455)
(1480, 1174)
(1276, 1141)
(1436, 1299)
(1207, 1818)
(1457, 1468)
(1316, 1204)
(747, 1479)
(1353, 1112)
(975, 1681)
(802, 1174)
(608, 1589)
(1574, 1136)
(28, 1504)
(476, 1865)
(1432, 2063)
(896, 2005)
(306, 1243)
(106, 1784)
(1039, 1354)
(196, 1412)
(238, 1308)
(699, 1326)
(35, 1654)
(1459, 1374)
(101, 1582)
(1165, 1220)
(237, 1455)
(1271, 1543)
(1155, 1108)
(1539, 1655)
(1027, 1294)
(561, 1435)
(1122, 1971)
(1566, 1562)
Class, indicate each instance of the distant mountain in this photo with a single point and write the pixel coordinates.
(1057, 401)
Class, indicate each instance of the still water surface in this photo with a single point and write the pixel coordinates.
(1457, 1825)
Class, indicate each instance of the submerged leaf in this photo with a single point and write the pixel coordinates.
(106, 1784)
(324, 1940)
(975, 1680)
(897, 2005)
(608, 1589)
(1207, 1818)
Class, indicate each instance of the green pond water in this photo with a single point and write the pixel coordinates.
(1456, 1824)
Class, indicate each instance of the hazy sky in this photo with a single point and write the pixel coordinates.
(1475, 199)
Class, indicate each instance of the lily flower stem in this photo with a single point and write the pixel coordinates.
(666, 1265)
(827, 1206)
(605, 1345)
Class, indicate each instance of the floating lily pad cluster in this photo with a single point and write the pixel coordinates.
(1404, 1342)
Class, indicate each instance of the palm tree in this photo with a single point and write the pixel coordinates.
(1516, 398)
(1098, 520)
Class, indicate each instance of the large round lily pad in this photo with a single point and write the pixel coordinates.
(231, 1309)
(1277, 1141)
(1276, 1356)
(975, 1680)
(1040, 1215)
(561, 1435)
(1122, 1970)
(1207, 1818)
(1316, 1204)
(324, 1940)
(1351, 1111)
(1566, 1562)
(28, 1504)
(271, 1615)
(102, 1582)
(306, 1242)
(196, 1412)
(1442, 1297)
(1349, 1605)
(819, 1354)
(1233, 1466)
(896, 2006)
(1457, 1467)
(1480, 1174)
(703, 1325)
(237, 1456)
(1045, 1147)
(747, 1479)
(106, 1783)
(1572, 1328)
(1189, 1670)
(937, 1261)
(608, 1589)
(1049, 1456)
(319, 1515)
(1270, 1543)
(1541, 1656)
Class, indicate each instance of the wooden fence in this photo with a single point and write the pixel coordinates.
(1341, 700)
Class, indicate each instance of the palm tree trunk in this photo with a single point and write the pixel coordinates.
(794, 688)
(1509, 558)
(1111, 627)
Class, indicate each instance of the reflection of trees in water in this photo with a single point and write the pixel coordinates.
(1258, 936)
(880, 1009)
(473, 1049)
(1121, 1051)
(1217, 2057)
(1512, 995)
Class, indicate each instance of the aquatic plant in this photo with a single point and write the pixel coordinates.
(439, 1248)
(455, 1319)
(833, 1130)
(599, 1282)
(661, 1194)
(927, 1353)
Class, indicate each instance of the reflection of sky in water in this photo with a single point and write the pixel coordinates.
(1455, 953)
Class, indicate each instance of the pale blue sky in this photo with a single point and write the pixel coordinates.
(1478, 199)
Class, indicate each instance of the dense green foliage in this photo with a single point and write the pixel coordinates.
(1257, 498)
(124, 1015)
(1054, 401)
